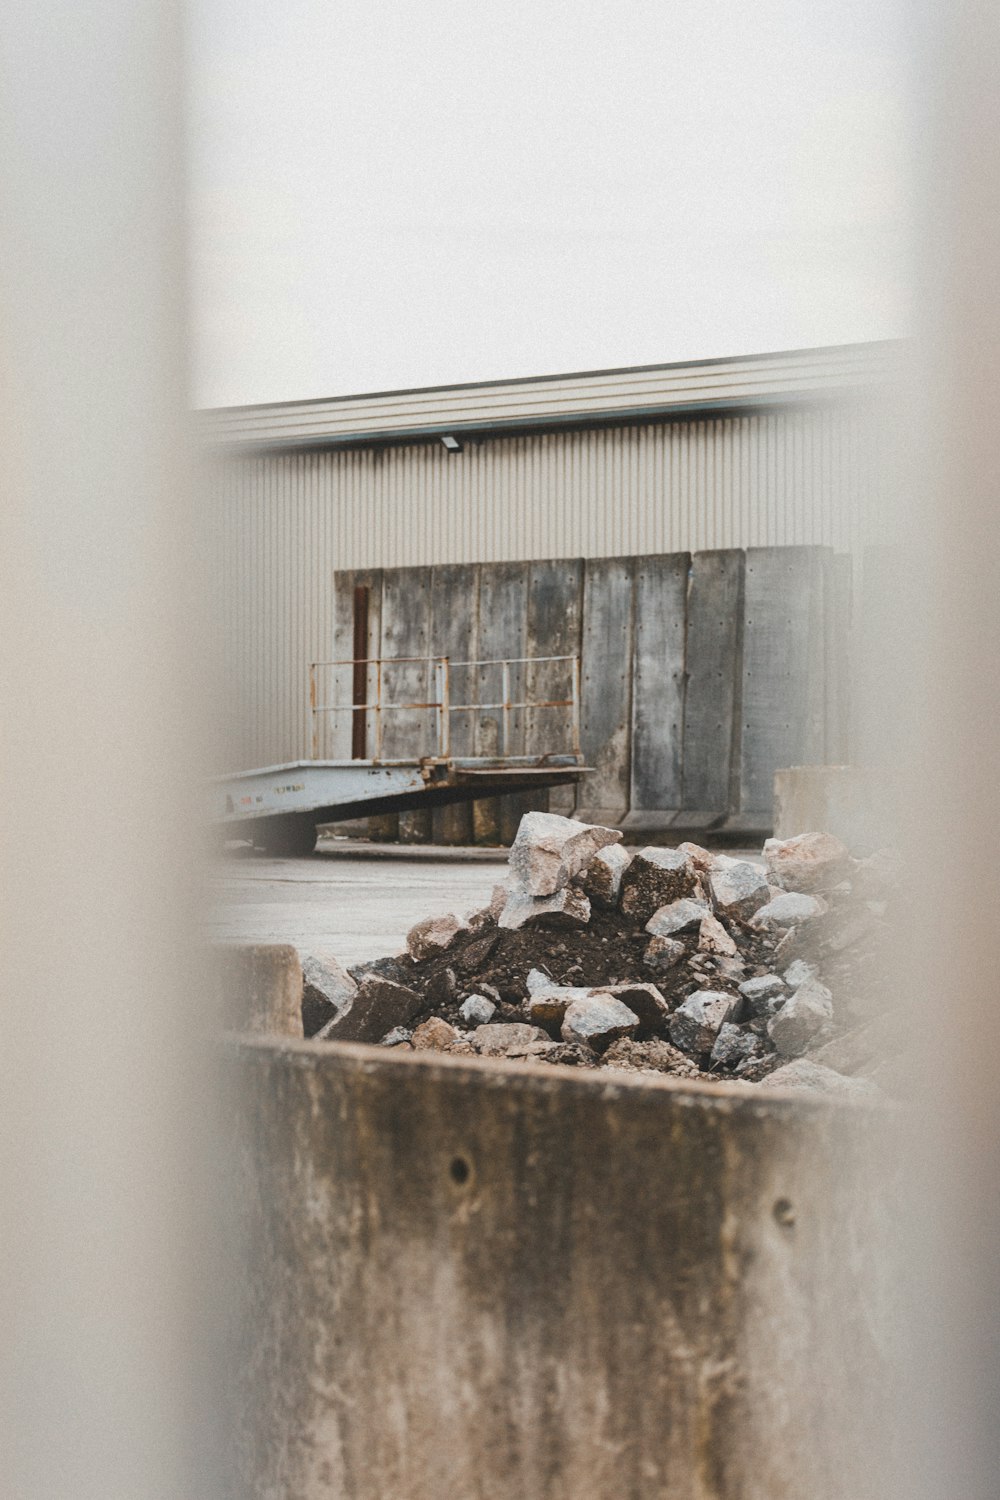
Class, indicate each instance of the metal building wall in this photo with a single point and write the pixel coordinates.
(287, 521)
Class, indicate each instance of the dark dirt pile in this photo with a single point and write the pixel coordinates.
(747, 969)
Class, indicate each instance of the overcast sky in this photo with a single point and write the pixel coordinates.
(393, 193)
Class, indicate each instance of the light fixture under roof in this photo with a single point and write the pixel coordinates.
(451, 443)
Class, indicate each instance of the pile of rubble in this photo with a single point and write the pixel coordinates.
(676, 961)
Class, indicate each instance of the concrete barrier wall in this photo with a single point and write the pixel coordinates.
(494, 1281)
(702, 674)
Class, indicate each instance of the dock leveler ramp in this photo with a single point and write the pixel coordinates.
(281, 807)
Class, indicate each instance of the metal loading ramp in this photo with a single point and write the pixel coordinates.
(280, 807)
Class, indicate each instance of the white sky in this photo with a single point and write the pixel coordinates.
(392, 193)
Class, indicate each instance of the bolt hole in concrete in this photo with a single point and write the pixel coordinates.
(784, 1213)
(460, 1170)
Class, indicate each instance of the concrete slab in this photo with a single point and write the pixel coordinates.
(357, 908)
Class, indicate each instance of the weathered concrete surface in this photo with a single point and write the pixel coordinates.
(493, 1280)
(259, 987)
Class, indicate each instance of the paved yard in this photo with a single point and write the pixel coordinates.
(356, 906)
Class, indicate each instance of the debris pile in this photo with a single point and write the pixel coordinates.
(676, 961)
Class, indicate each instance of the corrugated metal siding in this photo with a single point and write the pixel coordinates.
(286, 521)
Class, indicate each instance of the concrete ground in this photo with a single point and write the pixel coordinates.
(358, 905)
(356, 901)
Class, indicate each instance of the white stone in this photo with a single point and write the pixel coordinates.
(656, 877)
(808, 862)
(801, 1019)
(696, 1023)
(679, 916)
(566, 908)
(645, 1000)
(476, 1010)
(549, 850)
(788, 910)
(603, 878)
(663, 953)
(433, 936)
(510, 1039)
(327, 991)
(798, 972)
(713, 938)
(738, 889)
(598, 1021)
(548, 1006)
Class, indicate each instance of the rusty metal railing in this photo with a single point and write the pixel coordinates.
(441, 704)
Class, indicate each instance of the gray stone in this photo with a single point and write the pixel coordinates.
(549, 850)
(443, 987)
(801, 1019)
(696, 1023)
(809, 862)
(397, 1037)
(538, 980)
(732, 1046)
(598, 1021)
(713, 938)
(732, 969)
(802, 1073)
(567, 908)
(509, 1039)
(433, 936)
(655, 878)
(604, 874)
(476, 1010)
(327, 989)
(678, 916)
(644, 1000)
(378, 1006)
(764, 996)
(663, 953)
(798, 972)
(788, 910)
(738, 890)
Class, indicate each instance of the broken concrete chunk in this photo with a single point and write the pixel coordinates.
(732, 969)
(598, 1021)
(604, 874)
(655, 878)
(732, 1046)
(702, 859)
(433, 936)
(798, 972)
(696, 1023)
(434, 1035)
(663, 953)
(644, 1000)
(738, 890)
(788, 910)
(509, 1039)
(549, 850)
(476, 1010)
(327, 989)
(817, 1079)
(567, 908)
(678, 916)
(547, 1007)
(538, 980)
(801, 1019)
(498, 900)
(809, 862)
(378, 1006)
(764, 996)
(713, 938)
